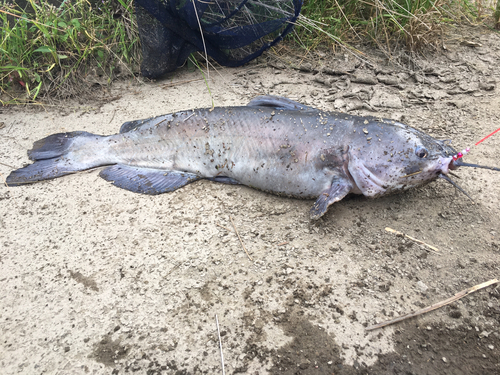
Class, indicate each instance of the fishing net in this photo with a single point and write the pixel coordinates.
(233, 32)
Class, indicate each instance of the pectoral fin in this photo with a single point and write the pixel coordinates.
(339, 189)
(146, 180)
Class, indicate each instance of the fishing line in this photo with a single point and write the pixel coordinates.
(489, 135)
(467, 149)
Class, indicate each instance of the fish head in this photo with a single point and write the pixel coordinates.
(388, 156)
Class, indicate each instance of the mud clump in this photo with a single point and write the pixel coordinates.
(108, 351)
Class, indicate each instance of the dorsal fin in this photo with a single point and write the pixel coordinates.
(132, 125)
(278, 102)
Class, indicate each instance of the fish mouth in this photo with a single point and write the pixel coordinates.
(452, 166)
(445, 165)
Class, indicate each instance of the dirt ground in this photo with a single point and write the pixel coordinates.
(98, 280)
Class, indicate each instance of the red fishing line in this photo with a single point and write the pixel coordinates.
(489, 135)
(464, 152)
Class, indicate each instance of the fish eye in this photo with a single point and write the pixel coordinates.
(421, 152)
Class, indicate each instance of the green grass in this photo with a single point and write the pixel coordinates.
(496, 15)
(412, 23)
(50, 50)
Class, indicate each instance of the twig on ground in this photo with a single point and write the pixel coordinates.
(174, 268)
(229, 230)
(248, 255)
(283, 243)
(220, 346)
(432, 248)
(4, 181)
(112, 117)
(456, 297)
(7, 165)
(172, 84)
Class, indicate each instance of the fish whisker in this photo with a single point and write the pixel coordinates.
(460, 163)
(444, 177)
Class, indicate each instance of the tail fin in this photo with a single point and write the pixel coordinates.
(53, 156)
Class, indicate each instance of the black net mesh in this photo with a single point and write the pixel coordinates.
(233, 31)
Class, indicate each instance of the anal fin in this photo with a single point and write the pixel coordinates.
(340, 188)
(146, 180)
(225, 180)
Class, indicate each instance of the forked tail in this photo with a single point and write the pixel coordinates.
(57, 155)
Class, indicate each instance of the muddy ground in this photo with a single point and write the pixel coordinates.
(99, 280)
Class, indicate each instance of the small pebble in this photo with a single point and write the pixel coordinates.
(422, 287)
(445, 360)
(484, 334)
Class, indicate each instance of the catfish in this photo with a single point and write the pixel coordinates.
(272, 144)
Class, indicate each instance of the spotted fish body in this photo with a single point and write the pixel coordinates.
(272, 144)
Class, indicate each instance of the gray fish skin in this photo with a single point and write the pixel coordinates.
(272, 144)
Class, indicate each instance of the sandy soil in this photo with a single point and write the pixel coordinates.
(99, 280)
